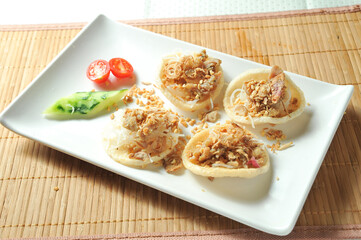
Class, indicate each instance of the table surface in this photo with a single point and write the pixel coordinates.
(43, 11)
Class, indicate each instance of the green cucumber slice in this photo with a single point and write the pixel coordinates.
(84, 104)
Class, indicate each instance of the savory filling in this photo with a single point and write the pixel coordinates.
(229, 146)
(148, 133)
(191, 78)
(266, 97)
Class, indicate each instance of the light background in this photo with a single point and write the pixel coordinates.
(50, 11)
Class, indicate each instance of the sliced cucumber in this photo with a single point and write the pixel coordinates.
(84, 104)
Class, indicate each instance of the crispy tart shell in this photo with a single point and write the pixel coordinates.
(256, 74)
(218, 171)
(184, 105)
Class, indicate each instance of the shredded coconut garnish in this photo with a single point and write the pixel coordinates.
(285, 146)
(252, 121)
(193, 103)
(150, 158)
(223, 165)
(278, 147)
(240, 92)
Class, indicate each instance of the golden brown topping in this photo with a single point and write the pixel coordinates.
(265, 97)
(260, 98)
(273, 134)
(151, 100)
(183, 122)
(229, 146)
(192, 122)
(151, 129)
(191, 78)
(172, 163)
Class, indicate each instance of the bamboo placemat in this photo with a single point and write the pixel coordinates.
(47, 193)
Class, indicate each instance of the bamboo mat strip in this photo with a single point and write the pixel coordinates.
(315, 232)
(47, 193)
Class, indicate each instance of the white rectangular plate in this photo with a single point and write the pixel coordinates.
(271, 202)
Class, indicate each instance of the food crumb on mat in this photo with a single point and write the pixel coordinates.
(56, 189)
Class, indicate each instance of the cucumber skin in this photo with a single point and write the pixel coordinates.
(84, 104)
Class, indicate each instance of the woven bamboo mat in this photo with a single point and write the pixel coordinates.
(47, 193)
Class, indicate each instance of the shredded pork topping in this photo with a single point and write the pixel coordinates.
(229, 146)
(191, 78)
(153, 131)
(266, 97)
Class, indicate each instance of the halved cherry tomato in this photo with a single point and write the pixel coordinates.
(120, 67)
(98, 71)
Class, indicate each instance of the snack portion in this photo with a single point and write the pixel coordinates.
(263, 96)
(137, 137)
(191, 82)
(84, 104)
(226, 150)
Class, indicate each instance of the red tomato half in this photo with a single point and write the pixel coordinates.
(98, 71)
(120, 67)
